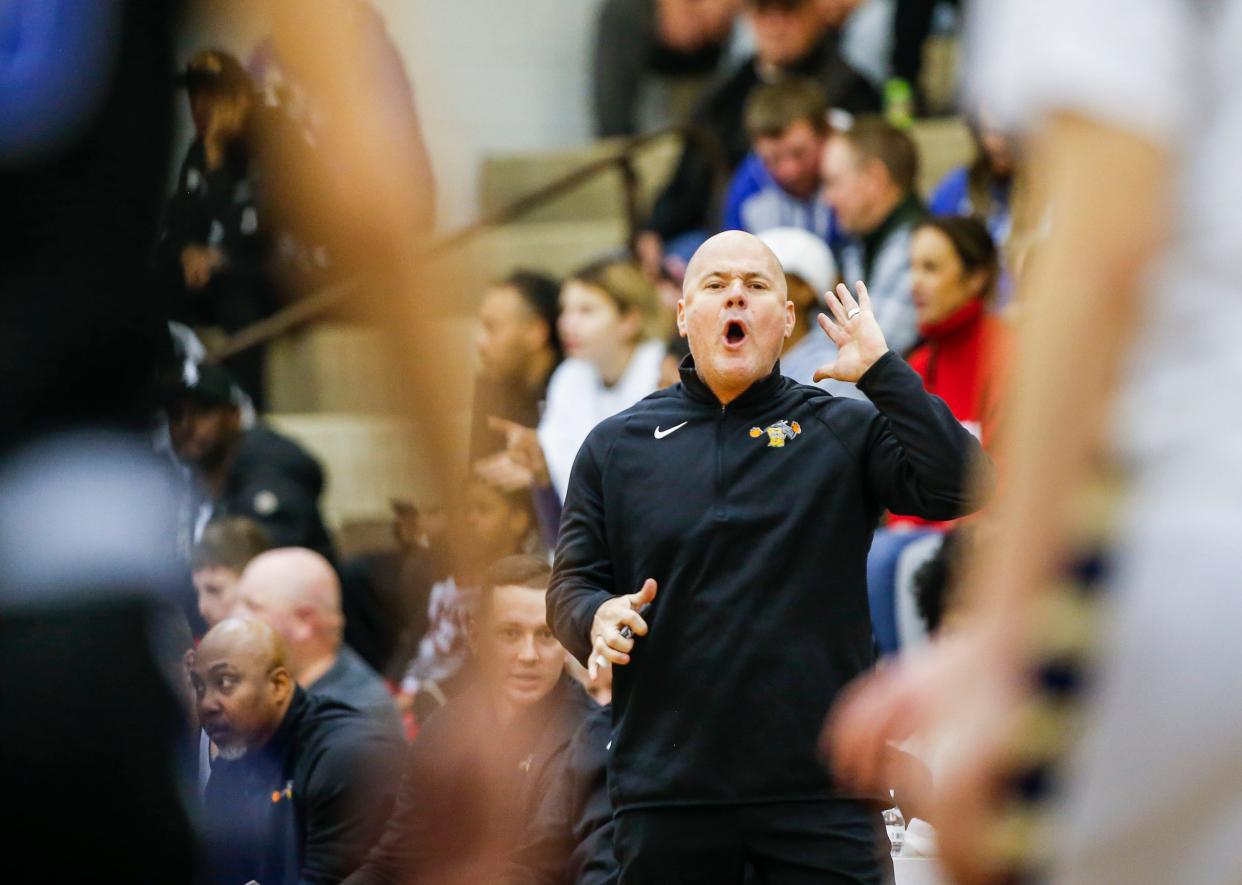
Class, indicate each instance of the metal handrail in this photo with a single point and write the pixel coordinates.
(315, 305)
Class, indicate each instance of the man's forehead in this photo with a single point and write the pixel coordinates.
(734, 257)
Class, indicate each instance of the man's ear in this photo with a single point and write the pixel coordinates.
(306, 621)
(681, 317)
(791, 317)
(282, 685)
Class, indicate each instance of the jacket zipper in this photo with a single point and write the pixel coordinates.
(721, 513)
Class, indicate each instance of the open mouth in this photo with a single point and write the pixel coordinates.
(734, 333)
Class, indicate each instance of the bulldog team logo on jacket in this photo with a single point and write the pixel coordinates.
(778, 433)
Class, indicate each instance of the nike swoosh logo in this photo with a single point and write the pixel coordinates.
(660, 434)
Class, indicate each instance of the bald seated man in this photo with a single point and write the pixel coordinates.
(297, 592)
(301, 785)
(725, 521)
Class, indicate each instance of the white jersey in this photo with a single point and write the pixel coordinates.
(578, 399)
(1156, 784)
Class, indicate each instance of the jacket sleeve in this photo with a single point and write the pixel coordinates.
(919, 458)
(395, 858)
(548, 838)
(582, 576)
(348, 798)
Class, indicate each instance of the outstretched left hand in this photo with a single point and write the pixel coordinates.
(859, 340)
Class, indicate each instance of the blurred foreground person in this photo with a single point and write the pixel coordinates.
(1130, 347)
(473, 775)
(569, 836)
(91, 725)
(218, 560)
(302, 784)
(245, 471)
(739, 505)
(296, 592)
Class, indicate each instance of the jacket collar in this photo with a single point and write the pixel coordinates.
(965, 316)
(758, 392)
(279, 743)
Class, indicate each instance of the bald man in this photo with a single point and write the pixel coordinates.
(724, 523)
(296, 591)
(302, 785)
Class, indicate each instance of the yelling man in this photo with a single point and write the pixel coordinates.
(725, 521)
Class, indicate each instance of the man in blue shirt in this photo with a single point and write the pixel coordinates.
(778, 182)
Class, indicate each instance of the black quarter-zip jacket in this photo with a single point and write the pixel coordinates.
(757, 533)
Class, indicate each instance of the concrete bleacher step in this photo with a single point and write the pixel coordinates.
(943, 144)
(556, 247)
(506, 177)
(368, 461)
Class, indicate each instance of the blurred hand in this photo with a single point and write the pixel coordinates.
(521, 465)
(198, 263)
(650, 249)
(608, 645)
(962, 697)
(859, 340)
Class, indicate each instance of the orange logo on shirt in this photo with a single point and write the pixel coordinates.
(778, 433)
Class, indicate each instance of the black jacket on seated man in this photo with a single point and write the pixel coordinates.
(245, 471)
(276, 482)
(754, 519)
(573, 818)
(307, 806)
(470, 787)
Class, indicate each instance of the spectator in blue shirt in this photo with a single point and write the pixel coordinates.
(778, 182)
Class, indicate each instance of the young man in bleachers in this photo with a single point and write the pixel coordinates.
(472, 776)
(792, 39)
(778, 183)
(218, 560)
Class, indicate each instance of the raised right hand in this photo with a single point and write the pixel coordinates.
(608, 645)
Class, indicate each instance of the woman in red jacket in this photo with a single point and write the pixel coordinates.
(955, 268)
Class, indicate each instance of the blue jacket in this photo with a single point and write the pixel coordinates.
(755, 203)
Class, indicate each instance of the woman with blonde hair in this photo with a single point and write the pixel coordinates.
(610, 326)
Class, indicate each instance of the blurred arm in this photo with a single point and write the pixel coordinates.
(1109, 192)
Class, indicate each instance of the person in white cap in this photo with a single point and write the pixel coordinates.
(810, 271)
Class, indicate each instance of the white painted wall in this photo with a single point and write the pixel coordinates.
(488, 75)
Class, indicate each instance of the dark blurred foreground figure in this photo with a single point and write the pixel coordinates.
(475, 772)
(85, 527)
(302, 784)
(245, 471)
